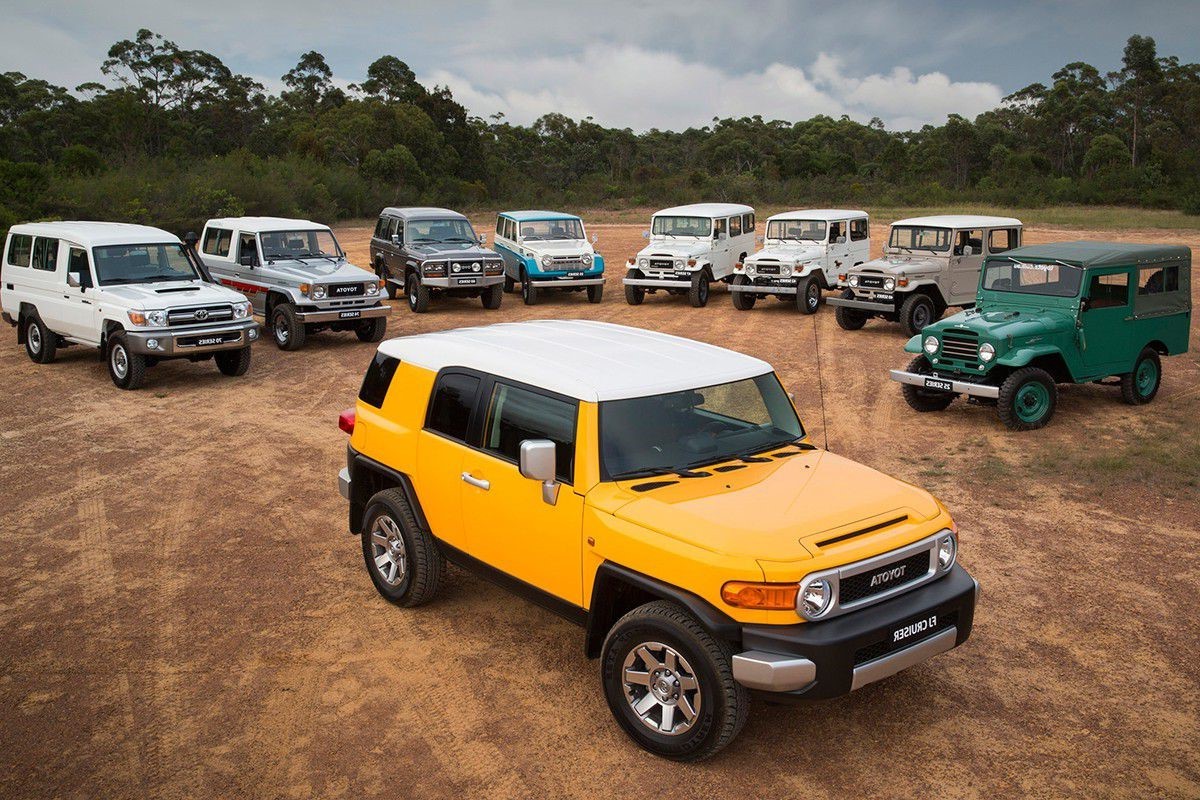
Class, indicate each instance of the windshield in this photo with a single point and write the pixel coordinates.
(1016, 277)
(284, 245)
(544, 230)
(425, 231)
(679, 430)
(142, 263)
(682, 226)
(909, 237)
(811, 230)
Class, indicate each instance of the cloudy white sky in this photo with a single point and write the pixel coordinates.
(635, 64)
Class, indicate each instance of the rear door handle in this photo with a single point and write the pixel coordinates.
(478, 483)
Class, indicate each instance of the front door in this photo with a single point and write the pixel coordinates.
(510, 526)
(1105, 322)
(837, 252)
(80, 308)
(965, 263)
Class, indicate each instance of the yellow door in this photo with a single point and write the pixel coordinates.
(439, 486)
(509, 525)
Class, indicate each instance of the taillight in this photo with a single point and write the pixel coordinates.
(346, 420)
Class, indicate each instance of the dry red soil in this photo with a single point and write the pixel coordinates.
(183, 614)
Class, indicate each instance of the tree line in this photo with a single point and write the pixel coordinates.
(173, 136)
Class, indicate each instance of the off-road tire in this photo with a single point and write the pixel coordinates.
(425, 565)
(371, 330)
(595, 293)
(1027, 399)
(1140, 386)
(724, 703)
(917, 312)
(698, 293)
(116, 353)
(492, 296)
(233, 363)
(529, 290)
(416, 293)
(808, 295)
(634, 295)
(742, 301)
(849, 319)
(41, 343)
(287, 330)
(510, 285)
(921, 399)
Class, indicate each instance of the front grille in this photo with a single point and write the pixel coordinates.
(858, 587)
(767, 269)
(345, 289)
(886, 646)
(961, 345)
(566, 262)
(662, 263)
(871, 281)
(199, 315)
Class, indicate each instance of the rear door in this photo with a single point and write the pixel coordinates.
(442, 446)
(48, 284)
(1106, 333)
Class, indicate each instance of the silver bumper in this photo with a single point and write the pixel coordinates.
(482, 282)
(188, 342)
(566, 283)
(903, 659)
(772, 672)
(347, 314)
(344, 482)
(862, 305)
(657, 283)
(958, 387)
(749, 287)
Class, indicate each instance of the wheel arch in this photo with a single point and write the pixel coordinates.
(1158, 346)
(24, 311)
(1049, 359)
(274, 298)
(368, 477)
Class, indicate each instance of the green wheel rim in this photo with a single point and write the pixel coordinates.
(1146, 377)
(1032, 402)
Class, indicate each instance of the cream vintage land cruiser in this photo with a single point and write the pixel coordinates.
(663, 494)
(296, 275)
(929, 264)
(802, 254)
(130, 290)
(690, 247)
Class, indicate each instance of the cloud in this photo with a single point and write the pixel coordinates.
(631, 86)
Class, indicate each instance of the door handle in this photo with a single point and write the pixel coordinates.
(478, 483)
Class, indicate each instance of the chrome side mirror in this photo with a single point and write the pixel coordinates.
(482, 239)
(595, 238)
(395, 239)
(539, 462)
(73, 280)
(645, 234)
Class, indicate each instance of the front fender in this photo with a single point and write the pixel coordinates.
(597, 262)
(913, 345)
(1022, 356)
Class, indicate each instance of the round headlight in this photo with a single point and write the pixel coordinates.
(749, 269)
(372, 287)
(457, 268)
(679, 262)
(986, 352)
(815, 598)
(946, 551)
(643, 262)
(318, 292)
(586, 258)
(546, 261)
(475, 267)
(889, 284)
(853, 280)
(931, 344)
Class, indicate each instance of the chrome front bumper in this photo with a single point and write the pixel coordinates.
(862, 305)
(772, 672)
(957, 387)
(749, 287)
(181, 342)
(347, 314)
(657, 283)
(566, 283)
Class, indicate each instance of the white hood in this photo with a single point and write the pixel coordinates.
(898, 265)
(676, 248)
(171, 294)
(789, 252)
(564, 247)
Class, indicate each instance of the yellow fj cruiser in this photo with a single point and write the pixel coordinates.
(661, 493)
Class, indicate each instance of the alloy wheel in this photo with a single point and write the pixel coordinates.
(661, 688)
(388, 551)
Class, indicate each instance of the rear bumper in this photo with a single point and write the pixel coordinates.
(818, 660)
(343, 314)
(862, 305)
(182, 343)
(957, 387)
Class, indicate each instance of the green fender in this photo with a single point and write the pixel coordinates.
(1021, 356)
(914, 345)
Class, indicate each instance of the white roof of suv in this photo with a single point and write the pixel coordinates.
(827, 214)
(960, 221)
(591, 361)
(706, 210)
(97, 234)
(267, 224)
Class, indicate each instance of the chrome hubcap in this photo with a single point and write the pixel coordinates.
(661, 688)
(120, 361)
(814, 296)
(35, 338)
(281, 330)
(388, 551)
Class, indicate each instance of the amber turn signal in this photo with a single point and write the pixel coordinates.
(766, 596)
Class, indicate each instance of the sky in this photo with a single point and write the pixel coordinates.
(639, 65)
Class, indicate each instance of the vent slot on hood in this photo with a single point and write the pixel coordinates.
(863, 531)
(178, 289)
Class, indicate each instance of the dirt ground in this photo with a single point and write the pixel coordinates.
(183, 614)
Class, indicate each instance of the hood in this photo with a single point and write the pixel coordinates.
(171, 294)
(682, 248)
(311, 270)
(449, 250)
(792, 251)
(775, 511)
(573, 247)
(1012, 323)
(901, 265)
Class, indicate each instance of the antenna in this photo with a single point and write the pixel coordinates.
(820, 380)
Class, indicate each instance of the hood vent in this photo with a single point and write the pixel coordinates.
(645, 487)
(178, 289)
(878, 526)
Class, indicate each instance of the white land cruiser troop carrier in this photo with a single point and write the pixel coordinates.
(802, 255)
(296, 275)
(130, 290)
(928, 265)
(690, 246)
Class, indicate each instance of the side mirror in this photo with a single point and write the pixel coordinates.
(595, 238)
(645, 234)
(1085, 304)
(539, 462)
(396, 239)
(841, 240)
(968, 250)
(248, 260)
(759, 239)
(482, 239)
(722, 235)
(73, 280)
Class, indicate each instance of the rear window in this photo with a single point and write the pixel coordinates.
(377, 380)
(216, 242)
(858, 230)
(45, 254)
(453, 400)
(20, 245)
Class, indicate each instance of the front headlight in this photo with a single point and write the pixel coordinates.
(242, 310)
(853, 280)
(749, 269)
(547, 261)
(815, 598)
(889, 284)
(156, 318)
(680, 263)
(586, 258)
(947, 550)
(317, 292)
(456, 268)
(372, 287)
(986, 352)
(643, 262)
(931, 344)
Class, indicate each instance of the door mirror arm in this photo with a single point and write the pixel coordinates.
(538, 462)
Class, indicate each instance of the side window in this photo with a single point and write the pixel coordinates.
(377, 380)
(735, 226)
(1157, 280)
(1002, 239)
(45, 254)
(718, 226)
(381, 227)
(747, 223)
(971, 239)
(837, 232)
(512, 229)
(20, 245)
(217, 241)
(858, 230)
(1109, 291)
(77, 262)
(453, 400)
(247, 249)
(394, 228)
(500, 226)
(515, 415)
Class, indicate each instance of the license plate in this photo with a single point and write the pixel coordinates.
(883, 298)
(687, 276)
(916, 629)
(938, 383)
(349, 314)
(206, 341)
(467, 281)
(574, 274)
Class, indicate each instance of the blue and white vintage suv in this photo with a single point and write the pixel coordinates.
(548, 250)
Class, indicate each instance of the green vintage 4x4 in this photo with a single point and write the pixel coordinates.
(1069, 312)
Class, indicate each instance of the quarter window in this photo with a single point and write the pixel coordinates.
(453, 400)
(1109, 291)
(858, 230)
(500, 226)
(20, 245)
(747, 223)
(217, 241)
(1156, 280)
(1002, 239)
(381, 226)
(735, 226)
(45, 254)
(516, 415)
(377, 380)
